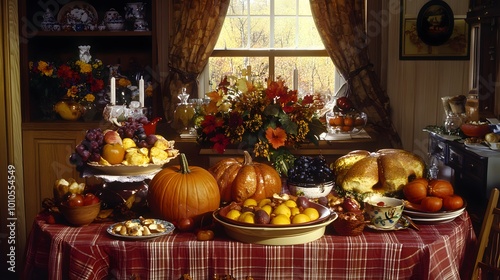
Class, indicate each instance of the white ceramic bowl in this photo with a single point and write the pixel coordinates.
(384, 212)
(115, 26)
(315, 190)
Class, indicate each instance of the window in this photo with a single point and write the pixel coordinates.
(277, 38)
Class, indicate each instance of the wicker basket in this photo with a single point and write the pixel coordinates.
(349, 224)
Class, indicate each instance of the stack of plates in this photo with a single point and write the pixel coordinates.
(437, 217)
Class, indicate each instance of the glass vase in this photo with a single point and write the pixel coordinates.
(89, 111)
(69, 109)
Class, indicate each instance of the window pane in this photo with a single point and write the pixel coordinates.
(315, 74)
(286, 7)
(232, 66)
(304, 8)
(284, 32)
(260, 33)
(260, 7)
(233, 34)
(308, 35)
(237, 7)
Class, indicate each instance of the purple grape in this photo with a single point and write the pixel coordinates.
(85, 155)
(142, 144)
(80, 148)
(96, 157)
(90, 136)
(151, 139)
(94, 146)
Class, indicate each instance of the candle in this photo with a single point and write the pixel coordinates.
(112, 96)
(249, 73)
(295, 78)
(141, 91)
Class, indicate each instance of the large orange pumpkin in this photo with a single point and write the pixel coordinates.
(241, 178)
(183, 191)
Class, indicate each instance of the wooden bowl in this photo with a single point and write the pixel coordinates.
(475, 130)
(80, 216)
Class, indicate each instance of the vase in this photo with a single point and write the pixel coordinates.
(89, 111)
(69, 109)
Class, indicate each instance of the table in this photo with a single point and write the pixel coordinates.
(439, 251)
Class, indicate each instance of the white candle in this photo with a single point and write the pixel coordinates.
(141, 91)
(295, 79)
(112, 97)
(249, 73)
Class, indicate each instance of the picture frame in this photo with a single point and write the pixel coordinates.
(448, 39)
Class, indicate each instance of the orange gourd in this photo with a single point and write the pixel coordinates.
(440, 188)
(416, 190)
(241, 178)
(183, 192)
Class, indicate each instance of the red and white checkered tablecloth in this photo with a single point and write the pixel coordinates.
(440, 251)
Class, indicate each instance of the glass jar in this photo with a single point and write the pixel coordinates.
(183, 115)
(452, 123)
(472, 107)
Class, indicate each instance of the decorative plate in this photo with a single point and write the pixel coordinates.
(290, 235)
(77, 12)
(441, 216)
(168, 226)
(402, 223)
(435, 22)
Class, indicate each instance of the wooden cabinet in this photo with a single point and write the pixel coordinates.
(134, 51)
(484, 17)
(474, 172)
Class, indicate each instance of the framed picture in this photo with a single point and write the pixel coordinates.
(434, 34)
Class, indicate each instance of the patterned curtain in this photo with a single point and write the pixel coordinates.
(341, 26)
(197, 25)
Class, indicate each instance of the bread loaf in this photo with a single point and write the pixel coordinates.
(385, 171)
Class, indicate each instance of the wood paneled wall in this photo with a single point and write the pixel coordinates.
(415, 87)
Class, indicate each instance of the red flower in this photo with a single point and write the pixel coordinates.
(308, 99)
(220, 142)
(210, 123)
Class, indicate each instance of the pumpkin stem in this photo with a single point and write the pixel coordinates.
(184, 166)
(247, 158)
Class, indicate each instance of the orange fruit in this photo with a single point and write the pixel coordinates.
(337, 121)
(113, 153)
(359, 122)
(349, 121)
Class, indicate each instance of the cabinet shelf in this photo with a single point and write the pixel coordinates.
(94, 34)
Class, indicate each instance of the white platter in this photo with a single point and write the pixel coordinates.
(477, 146)
(77, 12)
(290, 235)
(168, 226)
(435, 215)
(434, 220)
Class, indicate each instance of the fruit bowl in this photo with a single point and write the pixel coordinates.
(285, 235)
(80, 215)
(475, 130)
(345, 122)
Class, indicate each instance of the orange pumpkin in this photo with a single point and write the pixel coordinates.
(241, 178)
(182, 192)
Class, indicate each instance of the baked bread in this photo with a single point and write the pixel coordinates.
(385, 171)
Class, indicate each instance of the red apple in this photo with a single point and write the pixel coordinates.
(112, 137)
(185, 224)
(75, 200)
(90, 199)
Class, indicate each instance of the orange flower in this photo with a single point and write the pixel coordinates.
(276, 137)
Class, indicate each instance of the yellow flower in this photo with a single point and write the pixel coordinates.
(122, 82)
(44, 68)
(89, 97)
(84, 67)
(72, 91)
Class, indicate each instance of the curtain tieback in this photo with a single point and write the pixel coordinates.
(185, 76)
(356, 72)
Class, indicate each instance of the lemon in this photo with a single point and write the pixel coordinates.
(283, 209)
(312, 213)
(250, 202)
(290, 203)
(295, 211)
(268, 208)
(67, 111)
(280, 219)
(264, 202)
(300, 218)
(247, 217)
(233, 214)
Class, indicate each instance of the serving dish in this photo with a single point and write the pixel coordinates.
(266, 235)
(77, 12)
(128, 170)
(324, 214)
(168, 226)
(441, 216)
(124, 170)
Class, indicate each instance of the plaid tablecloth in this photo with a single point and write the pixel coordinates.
(440, 251)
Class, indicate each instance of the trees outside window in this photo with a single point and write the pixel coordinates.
(274, 37)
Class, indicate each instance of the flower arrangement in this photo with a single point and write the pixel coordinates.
(82, 80)
(266, 121)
